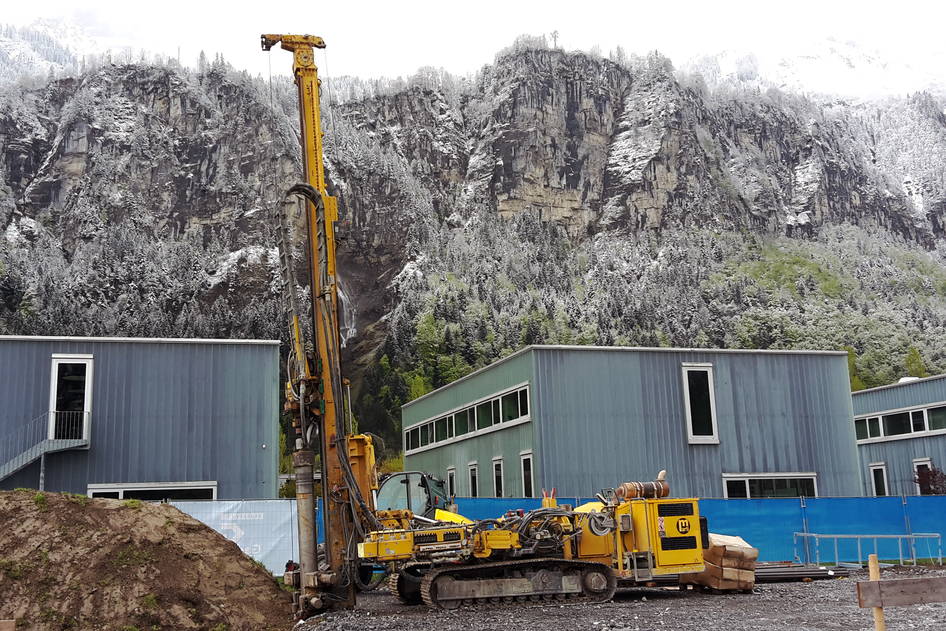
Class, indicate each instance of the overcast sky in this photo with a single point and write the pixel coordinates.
(370, 39)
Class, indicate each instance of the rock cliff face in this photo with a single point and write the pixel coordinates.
(556, 197)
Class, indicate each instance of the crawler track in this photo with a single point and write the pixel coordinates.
(450, 587)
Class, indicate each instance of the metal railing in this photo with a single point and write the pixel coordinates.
(52, 431)
(69, 425)
(21, 438)
(910, 538)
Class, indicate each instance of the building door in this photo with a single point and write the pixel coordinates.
(921, 471)
(878, 476)
(70, 397)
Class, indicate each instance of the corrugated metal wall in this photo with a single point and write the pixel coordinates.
(611, 415)
(161, 412)
(898, 455)
(894, 397)
(506, 443)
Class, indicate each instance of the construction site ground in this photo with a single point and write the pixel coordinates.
(798, 606)
(70, 562)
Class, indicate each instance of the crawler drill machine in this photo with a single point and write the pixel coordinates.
(631, 535)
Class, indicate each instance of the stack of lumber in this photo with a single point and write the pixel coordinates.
(730, 565)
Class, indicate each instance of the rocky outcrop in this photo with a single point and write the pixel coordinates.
(543, 123)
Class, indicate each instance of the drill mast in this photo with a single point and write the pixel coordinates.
(317, 384)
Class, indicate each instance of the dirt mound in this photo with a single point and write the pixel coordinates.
(70, 562)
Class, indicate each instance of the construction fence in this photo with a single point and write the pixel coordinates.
(266, 529)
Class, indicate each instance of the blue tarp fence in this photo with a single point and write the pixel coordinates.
(266, 529)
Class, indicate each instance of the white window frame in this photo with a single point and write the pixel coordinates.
(925, 408)
(121, 487)
(451, 482)
(745, 477)
(58, 359)
(494, 427)
(498, 460)
(523, 456)
(472, 467)
(917, 462)
(881, 466)
(686, 368)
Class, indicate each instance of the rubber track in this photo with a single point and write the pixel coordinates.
(393, 583)
(535, 564)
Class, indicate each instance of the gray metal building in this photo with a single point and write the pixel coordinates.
(144, 418)
(900, 430)
(723, 423)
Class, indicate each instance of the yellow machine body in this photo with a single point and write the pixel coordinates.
(646, 538)
(668, 530)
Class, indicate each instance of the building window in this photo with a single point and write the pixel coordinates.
(474, 483)
(700, 403)
(526, 461)
(484, 415)
(937, 417)
(510, 406)
(155, 491)
(895, 424)
(451, 482)
(440, 431)
(921, 470)
(770, 485)
(878, 479)
(412, 440)
(70, 397)
(461, 422)
(497, 477)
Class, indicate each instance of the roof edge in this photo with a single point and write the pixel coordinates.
(140, 340)
(899, 385)
(666, 349)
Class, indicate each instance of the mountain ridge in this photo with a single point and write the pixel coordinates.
(558, 197)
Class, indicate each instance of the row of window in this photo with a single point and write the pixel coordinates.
(901, 423)
(771, 486)
(505, 408)
(473, 478)
(157, 492)
(881, 487)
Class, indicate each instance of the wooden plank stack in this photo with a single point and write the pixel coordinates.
(730, 565)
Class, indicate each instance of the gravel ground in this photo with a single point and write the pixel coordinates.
(828, 604)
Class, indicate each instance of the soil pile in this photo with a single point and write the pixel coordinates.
(70, 562)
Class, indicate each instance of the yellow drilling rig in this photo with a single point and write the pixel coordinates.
(314, 387)
(632, 534)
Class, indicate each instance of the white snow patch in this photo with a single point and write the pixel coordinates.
(410, 271)
(18, 232)
(251, 255)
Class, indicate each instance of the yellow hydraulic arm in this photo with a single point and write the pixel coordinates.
(318, 380)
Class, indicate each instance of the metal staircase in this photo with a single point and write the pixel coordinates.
(30, 442)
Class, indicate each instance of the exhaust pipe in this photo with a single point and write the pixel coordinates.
(649, 490)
